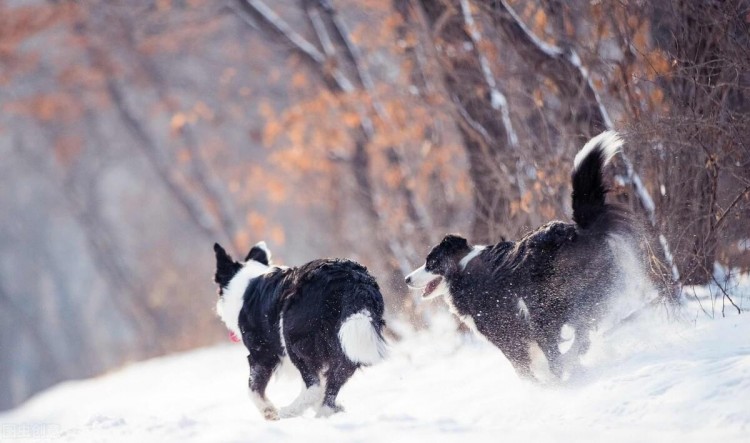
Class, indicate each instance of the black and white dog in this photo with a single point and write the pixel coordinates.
(327, 315)
(519, 295)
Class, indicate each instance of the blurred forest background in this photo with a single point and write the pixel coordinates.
(134, 134)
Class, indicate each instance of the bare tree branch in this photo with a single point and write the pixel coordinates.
(725, 296)
(273, 19)
(734, 202)
(497, 98)
(193, 208)
(320, 30)
(301, 44)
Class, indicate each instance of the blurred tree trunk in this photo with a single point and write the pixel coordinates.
(480, 112)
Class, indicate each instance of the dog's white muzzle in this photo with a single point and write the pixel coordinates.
(432, 285)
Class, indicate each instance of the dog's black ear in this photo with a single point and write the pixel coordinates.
(221, 254)
(454, 244)
(260, 253)
(225, 266)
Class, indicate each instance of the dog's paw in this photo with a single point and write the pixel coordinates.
(327, 411)
(270, 413)
(289, 412)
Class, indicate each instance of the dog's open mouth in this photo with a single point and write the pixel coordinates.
(431, 286)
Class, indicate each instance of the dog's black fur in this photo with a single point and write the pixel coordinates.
(314, 301)
(520, 293)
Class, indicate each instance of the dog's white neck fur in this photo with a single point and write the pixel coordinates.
(475, 251)
(608, 142)
(230, 304)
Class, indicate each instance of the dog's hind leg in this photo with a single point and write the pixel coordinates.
(584, 341)
(523, 368)
(312, 391)
(260, 374)
(549, 338)
(545, 360)
(336, 376)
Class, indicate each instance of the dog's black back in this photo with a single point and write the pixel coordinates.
(315, 299)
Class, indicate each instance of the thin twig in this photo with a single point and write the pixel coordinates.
(726, 295)
(498, 101)
(320, 30)
(731, 205)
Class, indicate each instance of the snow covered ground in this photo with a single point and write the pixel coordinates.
(658, 378)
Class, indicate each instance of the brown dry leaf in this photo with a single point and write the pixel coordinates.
(257, 223)
(540, 21)
(177, 122)
(67, 148)
(299, 80)
(184, 156)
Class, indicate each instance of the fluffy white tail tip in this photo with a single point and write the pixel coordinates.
(608, 142)
(360, 341)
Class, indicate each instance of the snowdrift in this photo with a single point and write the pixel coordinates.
(658, 378)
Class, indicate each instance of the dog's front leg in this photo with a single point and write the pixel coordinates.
(545, 359)
(259, 377)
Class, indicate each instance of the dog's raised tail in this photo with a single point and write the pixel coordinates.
(588, 181)
(361, 338)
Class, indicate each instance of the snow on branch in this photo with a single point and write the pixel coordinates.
(301, 43)
(497, 98)
(321, 32)
(548, 49)
(283, 27)
(355, 54)
(475, 126)
(325, 39)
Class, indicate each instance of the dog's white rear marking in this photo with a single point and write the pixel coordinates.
(567, 338)
(312, 396)
(523, 310)
(567, 332)
(471, 256)
(359, 339)
(539, 364)
(264, 406)
(608, 142)
(230, 304)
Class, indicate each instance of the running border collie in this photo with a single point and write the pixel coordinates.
(520, 295)
(326, 315)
